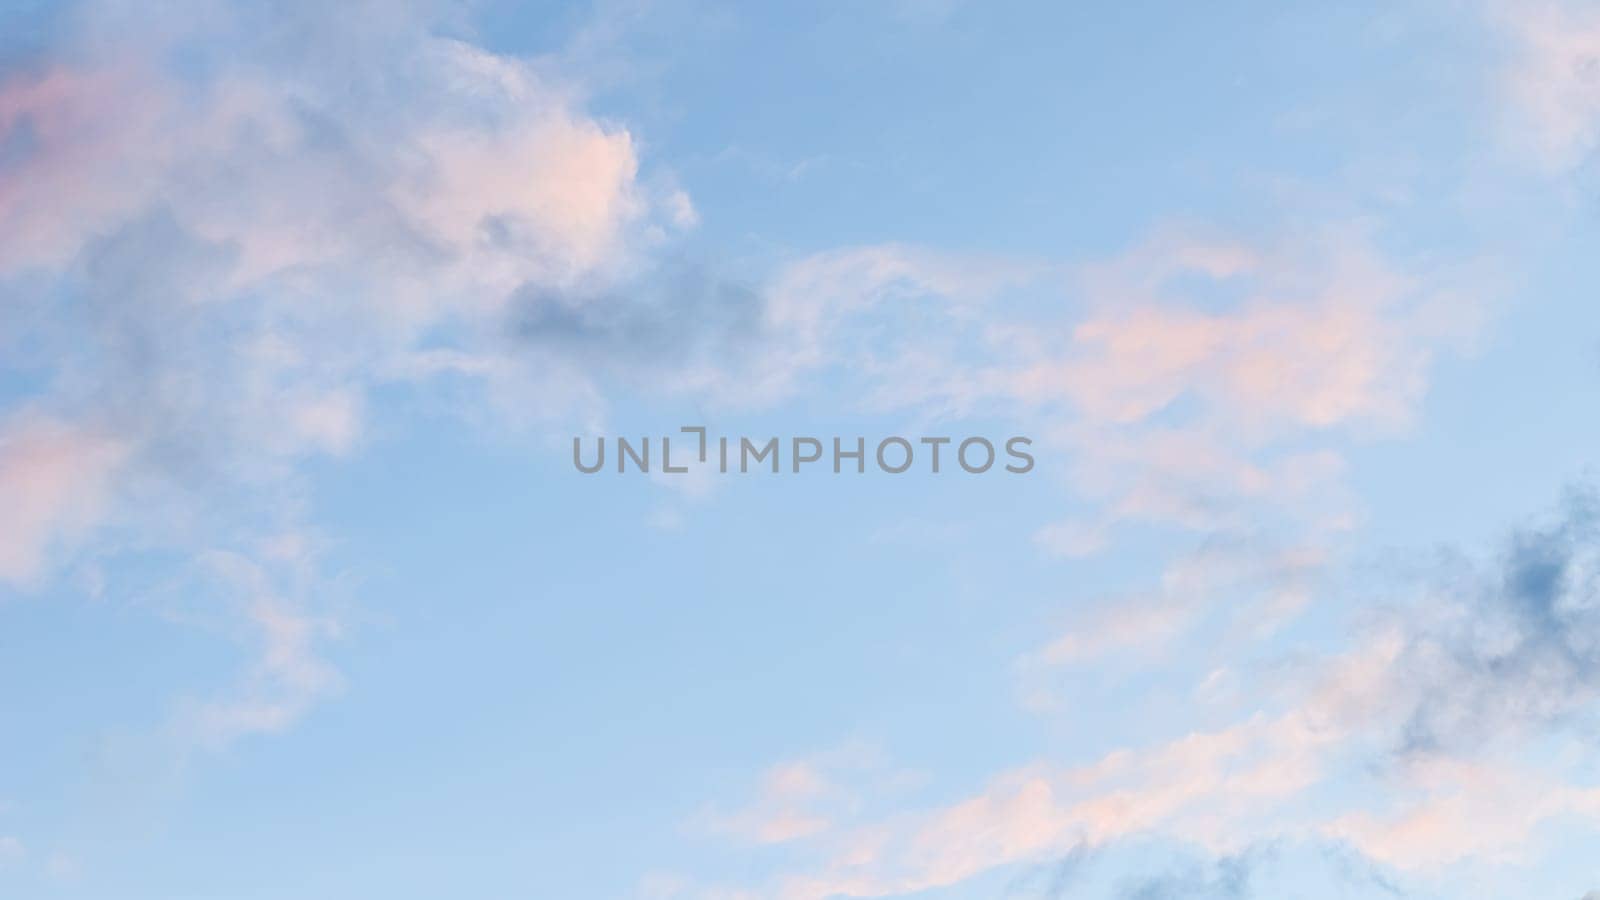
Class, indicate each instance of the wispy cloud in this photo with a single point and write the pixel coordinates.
(1264, 586)
(1551, 80)
(56, 480)
(1212, 382)
(1440, 703)
(289, 673)
(805, 797)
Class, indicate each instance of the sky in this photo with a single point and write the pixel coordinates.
(304, 305)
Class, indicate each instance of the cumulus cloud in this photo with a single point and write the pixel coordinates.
(223, 228)
(240, 254)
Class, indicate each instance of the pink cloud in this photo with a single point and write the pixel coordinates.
(56, 480)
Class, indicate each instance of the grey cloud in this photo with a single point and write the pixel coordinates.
(1055, 880)
(680, 317)
(142, 330)
(1520, 650)
(1263, 869)
(1225, 877)
(157, 348)
(1359, 872)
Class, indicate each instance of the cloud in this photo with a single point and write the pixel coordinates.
(1210, 788)
(240, 256)
(803, 798)
(1509, 651)
(63, 130)
(896, 321)
(57, 481)
(288, 675)
(1425, 742)
(1211, 381)
(1195, 381)
(1466, 811)
(1228, 877)
(224, 229)
(683, 329)
(1310, 333)
(1263, 584)
(880, 318)
(784, 808)
(1198, 381)
(1551, 81)
(224, 234)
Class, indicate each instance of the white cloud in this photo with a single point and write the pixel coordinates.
(1552, 80)
(268, 591)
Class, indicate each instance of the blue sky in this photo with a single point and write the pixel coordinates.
(302, 305)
